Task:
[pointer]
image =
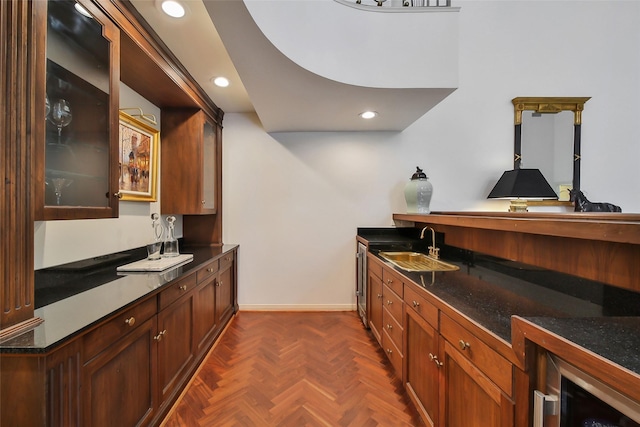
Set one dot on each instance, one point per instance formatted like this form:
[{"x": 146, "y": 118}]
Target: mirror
[{"x": 548, "y": 137}]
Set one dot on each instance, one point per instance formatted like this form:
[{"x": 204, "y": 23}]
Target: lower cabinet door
[
  {"x": 175, "y": 345},
  {"x": 119, "y": 385},
  {"x": 224, "y": 296},
  {"x": 423, "y": 366},
  {"x": 470, "y": 398},
  {"x": 204, "y": 322}
]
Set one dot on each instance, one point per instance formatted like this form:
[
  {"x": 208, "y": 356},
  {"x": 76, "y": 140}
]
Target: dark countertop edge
[
  {"x": 589, "y": 359},
  {"x": 510, "y": 343},
  {"x": 198, "y": 261}
]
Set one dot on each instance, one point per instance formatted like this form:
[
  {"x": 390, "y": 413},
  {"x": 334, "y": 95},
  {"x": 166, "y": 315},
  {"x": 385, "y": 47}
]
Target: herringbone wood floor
[{"x": 295, "y": 369}]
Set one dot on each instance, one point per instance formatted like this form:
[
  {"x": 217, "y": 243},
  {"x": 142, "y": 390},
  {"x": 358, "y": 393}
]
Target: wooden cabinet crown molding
[{"x": 150, "y": 68}]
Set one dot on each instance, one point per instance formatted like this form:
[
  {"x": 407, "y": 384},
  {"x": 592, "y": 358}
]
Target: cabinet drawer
[
  {"x": 392, "y": 352},
  {"x": 118, "y": 326},
  {"x": 226, "y": 261},
  {"x": 420, "y": 305},
  {"x": 176, "y": 290},
  {"x": 207, "y": 271},
  {"x": 392, "y": 280},
  {"x": 392, "y": 302},
  {"x": 492, "y": 364},
  {"x": 393, "y": 328},
  {"x": 374, "y": 265}
]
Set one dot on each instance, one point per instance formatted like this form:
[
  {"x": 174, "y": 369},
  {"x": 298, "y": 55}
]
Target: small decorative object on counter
[
  {"x": 171, "y": 243},
  {"x": 418, "y": 193}
]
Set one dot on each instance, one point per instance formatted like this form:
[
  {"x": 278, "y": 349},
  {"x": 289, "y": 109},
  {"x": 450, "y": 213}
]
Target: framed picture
[{"x": 137, "y": 160}]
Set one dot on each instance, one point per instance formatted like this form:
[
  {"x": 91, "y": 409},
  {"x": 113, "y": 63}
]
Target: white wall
[{"x": 293, "y": 201}]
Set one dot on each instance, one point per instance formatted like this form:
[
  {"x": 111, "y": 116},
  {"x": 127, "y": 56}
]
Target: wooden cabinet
[
  {"x": 422, "y": 364},
  {"x": 224, "y": 289},
  {"x": 204, "y": 315},
  {"x": 483, "y": 405},
  {"x": 175, "y": 337},
  {"x": 374, "y": 297},
  {"x": 385, "y": 310},
  {"x": 393, "y": 327},
  {"x": 76, "y": 159},
  {"x": 130, "y": 367},
  {"x": 119, "y": 384},
  {"x": 452, "y": 376},
  {"x": 190, "y": 163}
]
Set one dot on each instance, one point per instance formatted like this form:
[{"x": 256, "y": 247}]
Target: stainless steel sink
[{"x": 416, "y": 261}]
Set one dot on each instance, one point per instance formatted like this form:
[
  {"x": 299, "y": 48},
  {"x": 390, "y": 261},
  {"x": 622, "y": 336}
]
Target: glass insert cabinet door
[{"x": 77, "y": 163}]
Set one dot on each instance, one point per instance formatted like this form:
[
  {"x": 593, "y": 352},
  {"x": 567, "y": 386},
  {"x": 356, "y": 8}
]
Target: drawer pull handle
[
  {"x": 463, "y": 345},
  {"x": 130, "y": 321},
  {"x": 435, "y": 360},
  {"x": 182, "y": 287},
  {"x": 160, "y": 335},
  {"x": 389, "y": 281},
  {"x": 389, "y": 302},
  {"x": 379, "y": 296},
  {"x": 210, "y": 270},
  {"x": 389, "y": 327},
  {"x": 416, "y": 304}
]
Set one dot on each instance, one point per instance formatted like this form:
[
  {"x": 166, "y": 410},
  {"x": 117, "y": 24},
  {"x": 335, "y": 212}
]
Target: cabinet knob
[
  {"x": 160, "y": 335},
  {"x": 435, "y": 360},
  {"x": 210, "y": 270},
  {"x": 117, "y": 195},
  {"x": 389, "y": 327},
  {"x": 203, "y": 202},
  {"x": 416, "y": 304},
  {"x": 389, "y": 281},
  {"x": 379, "y": 296},
  {"x": 389, "y": 351},
  {"x": 182, "y": 287},
  {"x": 389, "y": 302},
  {"x": 219, "y": 283},
  {"x": 130, "y": 321},
  {"x": 463, "y": 345}
]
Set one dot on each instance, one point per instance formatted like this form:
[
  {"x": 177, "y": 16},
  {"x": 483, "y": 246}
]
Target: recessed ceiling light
[
  {"x": 221, "y": 81},
  {"x": 82, "y": 10},
  {"x": 368, "y": 114},
  {"x": 173, "y": 8}
]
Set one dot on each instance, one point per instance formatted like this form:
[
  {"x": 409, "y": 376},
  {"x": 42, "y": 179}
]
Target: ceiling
[{"x": 285, "y": 96}]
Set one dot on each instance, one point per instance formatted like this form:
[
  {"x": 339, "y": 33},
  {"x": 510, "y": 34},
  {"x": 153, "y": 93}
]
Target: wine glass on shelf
[
  {"x": 58, "y": 185},
  {"x": 47, "y": 107},
  {"x": 60, "y": 115}
]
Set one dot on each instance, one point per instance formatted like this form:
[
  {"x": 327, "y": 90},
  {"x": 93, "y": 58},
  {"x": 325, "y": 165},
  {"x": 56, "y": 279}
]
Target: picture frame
[{"x": 137, "y": 160}]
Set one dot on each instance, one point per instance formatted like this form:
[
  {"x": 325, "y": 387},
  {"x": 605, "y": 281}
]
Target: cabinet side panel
[
  {"x": 27, "y": 402},
  {"x": 21, "y": 24}
]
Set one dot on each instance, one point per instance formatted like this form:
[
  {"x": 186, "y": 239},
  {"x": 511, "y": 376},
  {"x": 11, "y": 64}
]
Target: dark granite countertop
[
  {"x": 615, "y": 338},
  {"x": 490, "y": 290},
  {"x": 107, "y": 291}
]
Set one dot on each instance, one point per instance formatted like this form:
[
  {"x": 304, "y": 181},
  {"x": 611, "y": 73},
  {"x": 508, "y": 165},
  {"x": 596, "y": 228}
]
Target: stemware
[
  {"x": 60, "y": 115},
  {"x": 58, "y": 185}
]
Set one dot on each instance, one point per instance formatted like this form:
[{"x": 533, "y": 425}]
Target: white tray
[{"x": 156, "y": 265}]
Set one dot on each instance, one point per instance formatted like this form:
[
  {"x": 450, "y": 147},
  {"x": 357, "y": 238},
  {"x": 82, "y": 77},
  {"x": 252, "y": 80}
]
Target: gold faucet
[{"x": 434, "y": 251}]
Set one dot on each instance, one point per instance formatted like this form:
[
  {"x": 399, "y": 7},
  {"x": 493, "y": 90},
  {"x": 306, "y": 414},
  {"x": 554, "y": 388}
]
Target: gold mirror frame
[{"x": 550, "y": 105}]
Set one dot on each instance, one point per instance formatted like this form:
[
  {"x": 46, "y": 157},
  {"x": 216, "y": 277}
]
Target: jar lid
[{"x": 419, "y": 174}]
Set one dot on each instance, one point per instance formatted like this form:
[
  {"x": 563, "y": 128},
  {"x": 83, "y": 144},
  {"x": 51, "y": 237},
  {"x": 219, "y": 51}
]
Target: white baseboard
[{"x": 297, "y": 307}]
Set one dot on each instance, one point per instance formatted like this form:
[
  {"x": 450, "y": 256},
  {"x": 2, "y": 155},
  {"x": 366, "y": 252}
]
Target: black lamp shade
[{"x": 523, "y": 184}]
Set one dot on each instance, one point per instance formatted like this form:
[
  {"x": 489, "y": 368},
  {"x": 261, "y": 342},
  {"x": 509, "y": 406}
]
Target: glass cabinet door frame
[{"x": 51, "y": 212}]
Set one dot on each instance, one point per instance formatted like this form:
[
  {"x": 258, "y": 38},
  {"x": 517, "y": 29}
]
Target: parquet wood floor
[{"x": 295, "y": 369}]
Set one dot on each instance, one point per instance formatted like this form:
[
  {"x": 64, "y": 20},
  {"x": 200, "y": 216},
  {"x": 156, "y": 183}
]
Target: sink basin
[{"x": 415, "y": 261}]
